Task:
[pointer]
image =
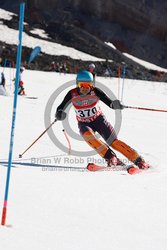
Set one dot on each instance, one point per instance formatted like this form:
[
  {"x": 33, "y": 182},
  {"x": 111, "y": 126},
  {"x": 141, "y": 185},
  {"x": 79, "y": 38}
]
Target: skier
[
  {"x": 2, "y": 80},
  {"x": 21, "y": 83},
  {"x": 91, "y": 69},
  {"x": 85, "y": 98},
  {"x": 2, "y": 85}
]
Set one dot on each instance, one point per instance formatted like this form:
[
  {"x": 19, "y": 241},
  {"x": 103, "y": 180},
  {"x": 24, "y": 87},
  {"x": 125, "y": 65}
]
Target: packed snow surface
[{"x": 54, "y": 208}]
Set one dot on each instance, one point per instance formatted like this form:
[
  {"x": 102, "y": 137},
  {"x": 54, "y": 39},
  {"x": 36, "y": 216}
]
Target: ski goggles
[{"x": 85, "y": 85}]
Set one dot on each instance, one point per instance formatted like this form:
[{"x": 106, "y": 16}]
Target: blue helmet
[{"x": 84, "y": 76}]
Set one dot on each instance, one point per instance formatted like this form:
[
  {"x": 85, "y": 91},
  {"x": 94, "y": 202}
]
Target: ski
[
  {"x": 28, "y": 97},
  {"x": 45, "y": 167},
  {"x": 31, "y": 97},
  {"x": 130, "y": 169},
  {"x": 92, "y": 167}
]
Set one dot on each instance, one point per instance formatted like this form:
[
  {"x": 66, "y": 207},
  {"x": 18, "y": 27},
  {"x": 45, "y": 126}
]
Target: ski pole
[
  {"x": 69, "y": 144},
  {"x": 20, "y": 155},
  {"x": 119, "y": 77},
  {"x": 149, "y": 109},
  {"x": 123, "y": 82}
]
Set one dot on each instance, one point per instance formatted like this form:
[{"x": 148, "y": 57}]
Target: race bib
[{"x": 88, "y": 114}]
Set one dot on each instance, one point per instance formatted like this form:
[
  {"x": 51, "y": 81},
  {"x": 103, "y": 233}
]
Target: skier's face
[
  {"x": 84, "y": 87},
  {"x": 84, "y": 91}
]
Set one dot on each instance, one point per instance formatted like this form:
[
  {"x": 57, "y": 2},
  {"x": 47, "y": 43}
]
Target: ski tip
[
  {"x": 133, "y": 170},
  {"x": 92, "y": 167}
]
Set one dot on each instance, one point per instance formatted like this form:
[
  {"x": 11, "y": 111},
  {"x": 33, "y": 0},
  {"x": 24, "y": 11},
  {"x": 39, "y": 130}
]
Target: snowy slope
[
  {"x": 78, "y": 210},
  {"x": 10, "y": 36}
]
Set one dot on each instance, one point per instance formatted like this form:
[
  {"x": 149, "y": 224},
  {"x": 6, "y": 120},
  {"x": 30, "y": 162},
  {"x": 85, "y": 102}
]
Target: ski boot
[
  {"x": 114, "y": 161},
  {"x": 140, "y": 162}
]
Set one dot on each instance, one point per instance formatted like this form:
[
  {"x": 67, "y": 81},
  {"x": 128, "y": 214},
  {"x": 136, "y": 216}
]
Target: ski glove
[
  {"x": 60, "y": 115},
  {"x": 116, "y": 105}
]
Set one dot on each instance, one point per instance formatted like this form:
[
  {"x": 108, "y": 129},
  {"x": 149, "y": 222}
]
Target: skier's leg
[
  {"x": 89, "y": 136},
  {"x": 106, "y": 130},
  {"x": 22, "y": 92},
  {"x": 101, "y": 148},
  {"x": 129, "y": 153},
  {"x": 19, "y": 91},
  {"x": 124, "y": 149}
]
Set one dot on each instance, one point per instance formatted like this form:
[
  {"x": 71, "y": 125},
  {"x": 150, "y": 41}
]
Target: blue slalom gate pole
[
  {"x": 19, "y": 51},
  {"x": 123, "y": 79}
]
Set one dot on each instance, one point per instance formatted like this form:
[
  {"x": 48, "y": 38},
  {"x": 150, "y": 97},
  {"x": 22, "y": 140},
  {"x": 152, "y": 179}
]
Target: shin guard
[
  {"x": 95, "y": 143},
  {"x": 124, "y": 149}
]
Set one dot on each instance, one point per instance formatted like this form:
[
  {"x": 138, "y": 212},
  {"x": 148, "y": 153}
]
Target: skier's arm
[
  {"x": 60, "y": 114},
  {"x": 115, "y": 104}
]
